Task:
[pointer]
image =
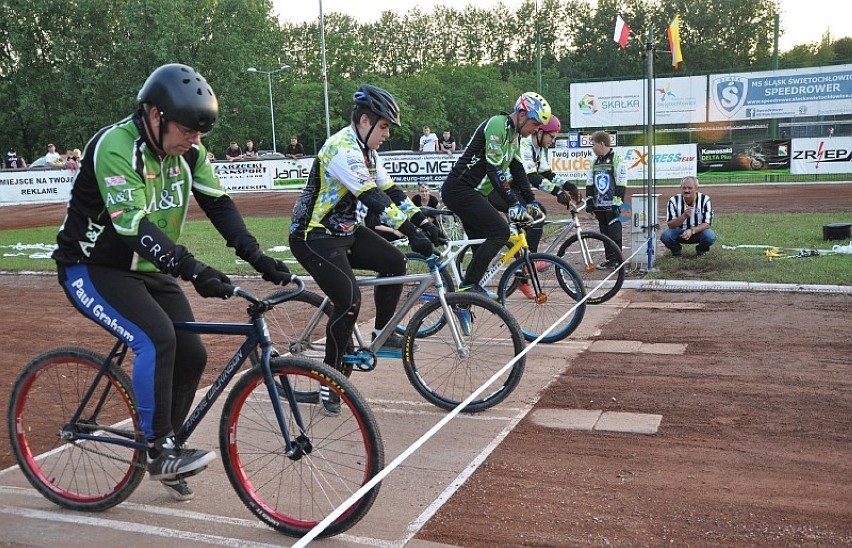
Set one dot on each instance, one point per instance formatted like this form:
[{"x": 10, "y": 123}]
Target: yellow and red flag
[{"x": 673, "y": 33}]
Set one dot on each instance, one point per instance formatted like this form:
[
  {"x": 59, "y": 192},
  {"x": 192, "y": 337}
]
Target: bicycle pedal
[
  {"x": 389, "y": 353},
  {"x": 191, "y": 473}
]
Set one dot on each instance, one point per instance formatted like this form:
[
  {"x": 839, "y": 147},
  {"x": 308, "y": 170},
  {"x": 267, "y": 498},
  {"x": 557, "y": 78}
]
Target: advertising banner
[
  {"x": 795, "y": 93},
  {"x": 681, "y": 100},
  {"x": 35, "y": 186},
  {"x": 670, "y": 162},
  {"x": 750, "y": 156},
  {"x": 825, "y": 155}
]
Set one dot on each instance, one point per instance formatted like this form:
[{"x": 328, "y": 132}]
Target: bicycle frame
[
  {"x": 424, "y": 282},
  {"x": 256, "y": 336}
]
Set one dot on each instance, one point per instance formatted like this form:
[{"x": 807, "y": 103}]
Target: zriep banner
[
  {"x": 795, "y": 93},
  {"x": 822, "y": 155}
]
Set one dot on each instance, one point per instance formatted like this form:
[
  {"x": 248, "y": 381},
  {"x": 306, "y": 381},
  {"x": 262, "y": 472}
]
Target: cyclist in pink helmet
[{"x": 492, "y": 161}]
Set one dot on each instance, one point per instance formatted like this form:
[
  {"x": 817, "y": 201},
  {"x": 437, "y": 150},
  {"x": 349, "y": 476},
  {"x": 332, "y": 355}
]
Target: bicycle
[
  {"x": 75, "y": 431},
  {"x": 585, "y": 251},
  {"x": 453, "y": 343},
  {"x": 537, "y": 288}
]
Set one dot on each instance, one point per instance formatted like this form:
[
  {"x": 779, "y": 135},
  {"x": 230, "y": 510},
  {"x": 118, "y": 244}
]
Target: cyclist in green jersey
[
  {"x": 117, "y": 258},
  {"x": 492, "y": 153}
]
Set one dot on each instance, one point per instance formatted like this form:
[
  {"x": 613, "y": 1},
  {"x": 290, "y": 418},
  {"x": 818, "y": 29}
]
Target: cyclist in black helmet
[
  {"x": 118, "y": 260},
  {"x": 327, "y": 235}
]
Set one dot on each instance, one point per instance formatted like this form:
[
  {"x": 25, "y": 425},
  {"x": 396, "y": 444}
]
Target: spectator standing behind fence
[
  {"x": 52, "y": 157},
  {"x": 13, "y": 161},
  {"x": 428, "y": 141},
  {"x": 294, "y": 149},
  {"x": 689, "y": 216},
  {"x": 606, "y": 186},
  {"x": 447, "y": 143},
  {"x": 233, "y": 152},
  {"x": 250, "y": 152}
]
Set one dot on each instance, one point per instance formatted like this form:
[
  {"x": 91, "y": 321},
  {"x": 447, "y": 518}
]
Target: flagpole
[{"x": 649, "y": 144}]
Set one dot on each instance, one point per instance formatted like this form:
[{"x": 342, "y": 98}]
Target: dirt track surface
[
  {"x": 753, "y": 448},
  {"x": 809, "y": 197}
]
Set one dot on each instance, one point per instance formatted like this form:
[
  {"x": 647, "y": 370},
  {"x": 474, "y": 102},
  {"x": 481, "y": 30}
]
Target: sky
[{"x": 803, "y": 21}]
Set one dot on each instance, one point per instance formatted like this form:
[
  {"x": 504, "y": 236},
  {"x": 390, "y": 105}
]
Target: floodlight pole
[{"x": 269, "y": 74}]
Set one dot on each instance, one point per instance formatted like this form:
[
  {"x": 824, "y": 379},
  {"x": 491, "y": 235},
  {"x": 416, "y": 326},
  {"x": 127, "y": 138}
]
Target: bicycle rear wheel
[
  {"x": 446, "y": 375},
  {"x": 331, "y": 459},
  {"x": 601, "y": 248},
  {"x": 85, "y": 475},
  {"x": 537, "y": 308}
]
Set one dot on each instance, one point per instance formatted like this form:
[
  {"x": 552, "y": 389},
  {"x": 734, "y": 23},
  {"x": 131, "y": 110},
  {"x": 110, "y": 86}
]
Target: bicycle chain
[{"x": 137, "y": 464}]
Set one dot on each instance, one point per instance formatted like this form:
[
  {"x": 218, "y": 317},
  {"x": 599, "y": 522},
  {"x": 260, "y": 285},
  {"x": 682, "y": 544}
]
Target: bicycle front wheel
[
  {"x": 539, "y": 301},
  {"x": 84, "y": 475},
  {"x": 416, "y": 264},
  {"x": 293, "y": 480},
  {"x": 446, "y": 374},
  {"x": 297, "y": 327},
  {"x": 599, "y": 250}
]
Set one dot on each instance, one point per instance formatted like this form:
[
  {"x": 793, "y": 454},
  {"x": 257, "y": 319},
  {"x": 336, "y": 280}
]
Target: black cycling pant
[
  {"x": 534, "y": 232},
  {"x": 609, "y": 227},
  {"x": 139, "y": 308},
  {"x": 480, "y": 220},
  {"x": 330, "y": 261}
]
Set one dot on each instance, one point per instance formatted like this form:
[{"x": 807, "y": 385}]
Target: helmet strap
[{"x": 157, "y": 139}]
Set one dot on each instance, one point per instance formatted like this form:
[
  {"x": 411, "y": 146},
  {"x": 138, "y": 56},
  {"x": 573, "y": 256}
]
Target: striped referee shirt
[{"x": 703, "y": 212}]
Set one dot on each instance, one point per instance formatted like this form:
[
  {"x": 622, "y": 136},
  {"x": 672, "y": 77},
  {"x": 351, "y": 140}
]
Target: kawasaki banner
[{"x": 750, "y": 156}]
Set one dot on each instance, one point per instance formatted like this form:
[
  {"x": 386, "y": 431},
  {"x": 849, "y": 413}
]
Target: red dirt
[{"x": 754, "y": 446}]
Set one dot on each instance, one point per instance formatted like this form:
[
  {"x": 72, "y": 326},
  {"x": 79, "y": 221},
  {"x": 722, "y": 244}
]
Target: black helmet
[
  {"x": 379, "y": 101},
  {"x": 181, "y": 95}
]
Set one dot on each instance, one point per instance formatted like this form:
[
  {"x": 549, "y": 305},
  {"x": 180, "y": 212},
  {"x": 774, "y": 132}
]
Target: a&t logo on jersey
[{"x": 729, "y": 94}]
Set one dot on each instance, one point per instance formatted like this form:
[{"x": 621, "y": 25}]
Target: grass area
[
  {"x": 789, "y": 232},
  {"x": 29, "y": 250}
]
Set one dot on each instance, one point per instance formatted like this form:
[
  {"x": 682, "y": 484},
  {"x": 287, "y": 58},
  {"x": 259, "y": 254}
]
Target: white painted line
[{"x": 128, "y": 527}]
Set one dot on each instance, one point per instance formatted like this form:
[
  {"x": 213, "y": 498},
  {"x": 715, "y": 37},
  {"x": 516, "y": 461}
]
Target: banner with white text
[
  {"x": 794, "y": 93},
  {"x": 407, "y": 169}
]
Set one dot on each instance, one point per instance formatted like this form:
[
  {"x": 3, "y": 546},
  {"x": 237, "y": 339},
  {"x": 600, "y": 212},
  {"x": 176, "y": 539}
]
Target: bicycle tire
[
  {"x": 342, "y": 453},
  {"x": 492, "y": 338},
  {"x": 601, "y": 247},
  {"x": 561, "y": 289},
  {"x": 416, "y": 264},
  {"x": 82, "y": 475},
  {"x": 288, "y": 326}
]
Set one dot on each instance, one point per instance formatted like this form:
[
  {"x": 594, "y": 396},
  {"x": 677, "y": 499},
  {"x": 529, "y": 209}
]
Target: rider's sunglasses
[{"x": 188, "y": 133}]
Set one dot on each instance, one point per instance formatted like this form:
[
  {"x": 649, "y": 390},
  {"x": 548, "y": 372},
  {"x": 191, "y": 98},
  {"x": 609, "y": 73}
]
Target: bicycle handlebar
[
  {"x": 434, "y": 212},
  {"x": 272, "y": 299}
]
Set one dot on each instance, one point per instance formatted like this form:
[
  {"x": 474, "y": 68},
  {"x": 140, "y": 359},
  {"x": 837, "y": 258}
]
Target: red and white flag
[{"x": 622, "y": 32}]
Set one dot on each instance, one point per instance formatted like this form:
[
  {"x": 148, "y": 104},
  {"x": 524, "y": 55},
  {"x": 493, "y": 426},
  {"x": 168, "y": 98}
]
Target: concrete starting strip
[{"x": 589, "y": 420}]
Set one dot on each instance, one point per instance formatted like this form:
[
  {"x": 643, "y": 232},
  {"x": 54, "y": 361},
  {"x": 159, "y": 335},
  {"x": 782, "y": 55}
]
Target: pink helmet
[{"x": 552, "y": 125}]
